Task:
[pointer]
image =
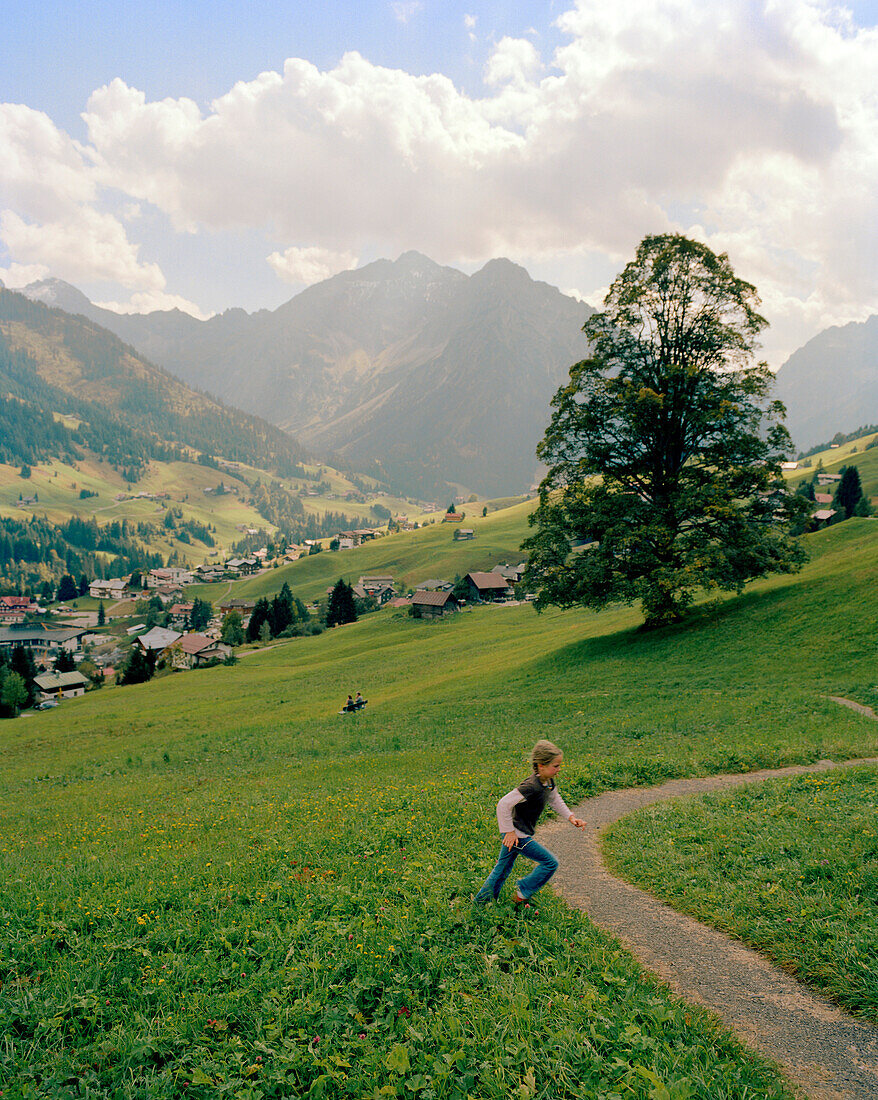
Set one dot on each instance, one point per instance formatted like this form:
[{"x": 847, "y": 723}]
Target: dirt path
[{"x": 826, "y": 1054}]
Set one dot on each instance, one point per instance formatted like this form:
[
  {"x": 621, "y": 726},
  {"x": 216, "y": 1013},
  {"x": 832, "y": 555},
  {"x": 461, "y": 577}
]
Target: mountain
[
  {"x": 415, "y": 371},
  {"x": 54, "y": 364},
  {"x": 830, "y": 384}
]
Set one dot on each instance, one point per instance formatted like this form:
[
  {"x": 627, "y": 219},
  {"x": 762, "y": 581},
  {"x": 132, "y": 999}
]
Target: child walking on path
[{"x": 517, "y": 816}]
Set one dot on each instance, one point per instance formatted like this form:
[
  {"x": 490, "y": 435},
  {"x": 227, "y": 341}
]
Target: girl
[{"x": 517, "y": 816}]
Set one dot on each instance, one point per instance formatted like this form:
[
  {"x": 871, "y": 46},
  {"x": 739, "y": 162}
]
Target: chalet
[
  {"x": 242, "y": 606},
  {"x": 487, "y": 587},
  {"x": 172, "y": 575},
  {"x": 157, "y": 640},
  {"x": 822, "y": 518},
  {"x": 434, "y": 585},
  {"x": 461, "y": 534},
  {"x": 61, "y": 685},
  {"x": 41, "y": 638},
  {"x": 512, "y": 573},
  {"x": 828, "y": 479},
  {"x": 242, "y": 566},
  {"x": 366, "y": 534},
  {"x": 381, "y": 588},
  {"x": 453, "y": 517},
  {"x": 208, "y": 572},
  {"x": 169, "y": 593},
  {"x": 789, "y": 465},
  {"x": 433, "y": 605},
  {"x": 179, "y": 613},
  {"x": 114, "y": 589},
  {"x": 193, "y": 650},
  {"x": 14, "y": 608}
]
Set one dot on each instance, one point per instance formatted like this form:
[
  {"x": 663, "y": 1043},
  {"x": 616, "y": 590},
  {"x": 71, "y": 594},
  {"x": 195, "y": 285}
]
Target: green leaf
[{"x": 398, "y": 1059}]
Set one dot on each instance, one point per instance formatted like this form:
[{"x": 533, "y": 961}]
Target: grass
[
  {"x": 790, "y": 867},
  {"x": 215, "y": 884},
  {"x": 409, "y": 556}
]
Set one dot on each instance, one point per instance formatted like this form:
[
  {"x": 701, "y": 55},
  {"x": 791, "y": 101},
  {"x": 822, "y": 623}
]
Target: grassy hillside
[
  {"x": 408, "y": 556},
  {"x": 855, "y": 453},
  {"x": 215, "y": 882}
]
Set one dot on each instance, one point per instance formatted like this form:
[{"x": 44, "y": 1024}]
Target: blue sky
[{"x": 556, "y": 133}]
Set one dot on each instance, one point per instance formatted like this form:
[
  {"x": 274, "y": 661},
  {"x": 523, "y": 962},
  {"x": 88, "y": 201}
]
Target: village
[{"x": 73, "y": 648}]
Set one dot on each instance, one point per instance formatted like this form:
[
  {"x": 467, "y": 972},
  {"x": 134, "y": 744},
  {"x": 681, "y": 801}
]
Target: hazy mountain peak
[
  {"x": 58, "y": 294},
  {"x": 503, "y": 272}
]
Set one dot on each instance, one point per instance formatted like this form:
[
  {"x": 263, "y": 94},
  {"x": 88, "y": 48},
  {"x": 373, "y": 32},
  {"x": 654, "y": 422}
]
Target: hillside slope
[
  {"x": 830, "y": 384},
  {"x": 409, "y": 369}
]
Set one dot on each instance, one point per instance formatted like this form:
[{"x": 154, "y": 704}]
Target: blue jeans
[{"x": 546, "y": 866}]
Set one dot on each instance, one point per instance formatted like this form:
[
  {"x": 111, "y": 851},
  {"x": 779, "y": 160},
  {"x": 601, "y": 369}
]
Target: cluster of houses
[{"x": 433, "y": 598}]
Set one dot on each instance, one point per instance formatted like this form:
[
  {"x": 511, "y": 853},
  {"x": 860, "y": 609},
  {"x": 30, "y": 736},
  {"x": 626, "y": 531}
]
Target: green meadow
[
  {"x": 408, "y": 556},
  {"x": 790, "y": 867},
  {"x": 216, "y": 885}
]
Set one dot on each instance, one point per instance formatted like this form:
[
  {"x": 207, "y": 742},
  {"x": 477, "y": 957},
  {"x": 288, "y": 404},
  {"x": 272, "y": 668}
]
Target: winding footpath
[{"x": 825, "y": 1053}]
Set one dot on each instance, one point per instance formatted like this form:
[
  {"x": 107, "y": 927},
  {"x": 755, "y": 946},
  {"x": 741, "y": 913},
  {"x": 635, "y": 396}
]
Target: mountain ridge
[{"x": 414, "y": 371}]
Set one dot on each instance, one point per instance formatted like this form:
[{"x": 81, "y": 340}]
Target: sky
[{"x": 205, "y": 156}]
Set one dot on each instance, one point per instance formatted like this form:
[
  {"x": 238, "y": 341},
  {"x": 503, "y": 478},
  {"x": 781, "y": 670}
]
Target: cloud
[
  {"x": 147, "y": 302},
  {"x": 753, "y": 125},
  {"x": 49, "y": 216},
  {"x": 403, "y": 10},
  {"x": 86, "y": 246},
  {"x": 16, "y": 276},
  {"x": 310, "y": 265}
]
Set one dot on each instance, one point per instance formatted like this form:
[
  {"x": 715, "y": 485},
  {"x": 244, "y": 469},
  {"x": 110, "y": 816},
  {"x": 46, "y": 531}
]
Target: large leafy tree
[{"x": 664, "y": 447}]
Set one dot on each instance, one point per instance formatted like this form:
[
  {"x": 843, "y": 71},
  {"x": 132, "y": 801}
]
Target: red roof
[
  {"x": 16, "y": 601},
  {"x": 194, "y": 643}
]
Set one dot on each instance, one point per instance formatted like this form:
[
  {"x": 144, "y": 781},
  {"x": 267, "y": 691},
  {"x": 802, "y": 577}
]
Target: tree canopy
[{"x": 664, "y": 448}]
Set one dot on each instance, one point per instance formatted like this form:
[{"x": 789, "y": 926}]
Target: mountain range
[
  {"x": 431, "y": 379},
  {"x": 830, "y": 384},
  {"x": 415, "y": 372}
]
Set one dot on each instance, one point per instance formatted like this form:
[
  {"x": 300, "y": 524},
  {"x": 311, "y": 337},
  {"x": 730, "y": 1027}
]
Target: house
[
  {"x": 789, "y": 465},
  {"x": 206, "y": 573},
  {"x": 366, "y": 534},
  {"x": 169, "y": 593},
  {"x": 827, "y": 479},
  {"x": 242, "y": 566},
  {"x": 432, "y": 605},
  {"x": 380, "y": 588},
  {"x": 193, "y": 650},
  {"x": 14, "y": 608},
  {"x": 453, "y": 517},
  {"x": 157, "y": 639},
  {"x": 487, "y": 587},
  {"x": 41, "y": 638},
  {"x": 462, "y": 533},
  {"x": 512, "y": 573},
  {"x": 179, "y": 613},
  {"x": 434, "y": 585},
  {"x": 822, "y": 518},
  {"x": 61, "y": 685},
  {"x": 172, "y": 575},
  {"x": 243, "y": 607},
  {"x": 113, "y": 589}
]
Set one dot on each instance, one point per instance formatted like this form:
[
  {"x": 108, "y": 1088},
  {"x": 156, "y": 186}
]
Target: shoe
[{"x": 517, "y": 899}]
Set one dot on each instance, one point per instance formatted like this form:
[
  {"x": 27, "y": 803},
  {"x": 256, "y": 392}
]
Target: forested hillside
[{"x": 53, "y": 364}]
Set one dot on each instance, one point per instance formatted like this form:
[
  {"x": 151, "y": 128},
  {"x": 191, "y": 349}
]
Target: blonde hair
[{"x": 543, "y": 752}]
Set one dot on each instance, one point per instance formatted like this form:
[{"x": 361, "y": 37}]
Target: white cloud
[
  {"x": 16, "y": 276},
  {"x": 148, "y": 301},
  {"x": 403, "y": 10},
  {"x": 755, "y": 126},
  {"x": 310, "y": 265},
  {"x": 86, "y": 246}
]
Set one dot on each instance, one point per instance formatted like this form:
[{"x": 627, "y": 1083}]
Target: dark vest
[{"x": 526, "y": 814}]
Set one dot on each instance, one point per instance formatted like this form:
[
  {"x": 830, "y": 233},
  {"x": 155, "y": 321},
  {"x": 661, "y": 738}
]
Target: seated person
[
  {"x": 360, "y": 701},
  {"x": 349, "y": 704}
]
